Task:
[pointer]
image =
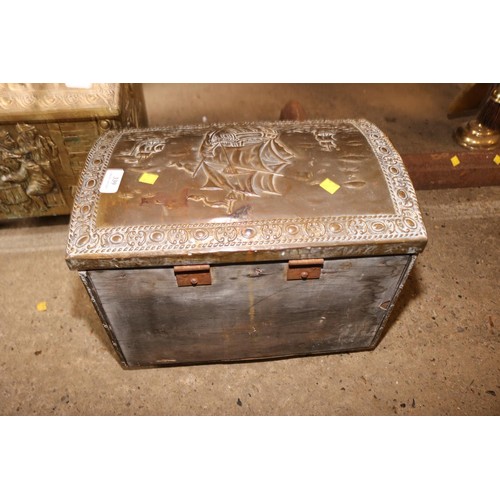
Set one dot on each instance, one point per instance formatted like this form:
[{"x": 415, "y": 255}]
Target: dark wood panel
[{"x": 249, "y": 311}]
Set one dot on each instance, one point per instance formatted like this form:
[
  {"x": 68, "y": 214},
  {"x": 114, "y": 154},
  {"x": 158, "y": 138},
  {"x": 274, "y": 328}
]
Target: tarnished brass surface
[
  {"x": 474, "y": 135},
  {"x": 55, "y": 101},
  {"x": 483, "y": 132},
  {"x": 243, "y": 192},
  {"x": 41, "y": 158}
]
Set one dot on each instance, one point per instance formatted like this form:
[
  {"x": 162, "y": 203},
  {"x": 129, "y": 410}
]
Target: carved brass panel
[
  {"x": 52, "y": 101},
  {"x": 28, "y": 162},
  {"x": 41, "y": 159}
]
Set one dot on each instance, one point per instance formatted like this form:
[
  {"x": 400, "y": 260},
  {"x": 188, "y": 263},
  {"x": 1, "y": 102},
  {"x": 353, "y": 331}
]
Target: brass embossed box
[
  {"x": 46, "y": 132},
  {"x": 244, "y": 241}
]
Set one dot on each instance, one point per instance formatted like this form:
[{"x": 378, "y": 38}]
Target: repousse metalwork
[
  {"x": 27, "y": 178},
  {"x": 21, "y": 101},
  {"x": 46, "y": 131},
  {"x": 237, "y": 178}
]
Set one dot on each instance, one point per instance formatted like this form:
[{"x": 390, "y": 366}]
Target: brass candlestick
[{"x": 483, "y": 132}]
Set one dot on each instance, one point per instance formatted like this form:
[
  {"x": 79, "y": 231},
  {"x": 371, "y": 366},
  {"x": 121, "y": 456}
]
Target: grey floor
[{"x": 440, "y": 354}]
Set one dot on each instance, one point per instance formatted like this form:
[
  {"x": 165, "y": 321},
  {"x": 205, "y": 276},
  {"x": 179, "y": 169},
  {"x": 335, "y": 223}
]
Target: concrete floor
[{"x": 440, "y": 354}]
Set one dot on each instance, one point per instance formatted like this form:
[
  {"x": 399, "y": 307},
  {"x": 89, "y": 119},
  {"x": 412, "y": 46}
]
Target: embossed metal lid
[
  {"x": 242, "y": 193},
  {"x": 58, "y": 101}
]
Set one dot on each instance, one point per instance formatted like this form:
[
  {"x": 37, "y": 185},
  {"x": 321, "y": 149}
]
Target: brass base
[{"x": 473, "y": 135}]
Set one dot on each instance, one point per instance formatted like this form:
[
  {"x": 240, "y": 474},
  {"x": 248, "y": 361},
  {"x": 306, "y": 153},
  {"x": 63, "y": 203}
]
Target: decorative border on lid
[{"x": 405, "y": 224}]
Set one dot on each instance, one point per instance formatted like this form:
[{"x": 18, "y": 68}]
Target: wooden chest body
[
  {"x": 248, "y": 241},
  {"x": 46, "y": 131}
]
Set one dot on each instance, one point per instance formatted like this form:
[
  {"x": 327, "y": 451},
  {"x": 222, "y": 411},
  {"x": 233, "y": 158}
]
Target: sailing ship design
[
  {"x": 144, "y": 149},
  {"x": 241, "y": 161},
  {"x": 229, "y": 164}
]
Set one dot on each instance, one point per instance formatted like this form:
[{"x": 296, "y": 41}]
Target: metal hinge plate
[
  {"x": 193, "y": 275},
  {"x": 304, "y": 269}
]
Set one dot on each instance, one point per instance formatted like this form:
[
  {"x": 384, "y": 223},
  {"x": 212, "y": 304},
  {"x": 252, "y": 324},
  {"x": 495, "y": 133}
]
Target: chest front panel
[{"x": 248, "y": 312}]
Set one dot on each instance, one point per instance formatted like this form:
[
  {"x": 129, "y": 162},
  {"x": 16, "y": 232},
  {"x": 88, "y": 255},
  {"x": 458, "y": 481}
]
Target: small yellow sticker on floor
[
  {"x": 148, "y": 178},
  {"x": 455, "y": 161},
  {"x": 330, "y": 186},
  {"x": 497, "y": 159},
  {"x": 41, "y": 306}
]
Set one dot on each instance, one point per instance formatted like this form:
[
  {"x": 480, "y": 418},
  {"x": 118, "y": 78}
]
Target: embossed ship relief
[
  {"x": 241, "y": 162},
  {"x": 143, "y": 150},
  {"x": 246, "y": 186},
  {"x": 230, "y": 165}
]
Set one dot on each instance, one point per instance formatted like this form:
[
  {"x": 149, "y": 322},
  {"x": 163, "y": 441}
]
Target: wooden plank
[
  {"x": 436, "y": 171},
  {"x": 249, "y": 311}
]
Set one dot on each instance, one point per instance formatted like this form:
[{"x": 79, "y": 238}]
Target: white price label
[{"x": 111, "y": 181}]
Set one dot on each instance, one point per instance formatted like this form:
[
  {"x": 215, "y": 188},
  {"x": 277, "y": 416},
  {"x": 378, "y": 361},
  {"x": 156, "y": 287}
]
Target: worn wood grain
[
  {"x": 435, "y": 170},
  {"x": 249, "y": 312}
]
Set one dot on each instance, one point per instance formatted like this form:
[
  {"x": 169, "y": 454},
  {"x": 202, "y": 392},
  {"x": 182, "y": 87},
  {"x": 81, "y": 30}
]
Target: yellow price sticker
[
  {"x": 41, "y": 306},
  {"x": 497, "y": 159},
  {"x": 455, "y": 161},
  {"x": 330, "y": 186},
  {"x": 148, "y": 178}
]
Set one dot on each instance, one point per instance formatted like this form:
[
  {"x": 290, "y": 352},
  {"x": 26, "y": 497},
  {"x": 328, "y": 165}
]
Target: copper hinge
[
  {"x": 304, "y": 269},
  {"x": 193, "y": 275}
]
